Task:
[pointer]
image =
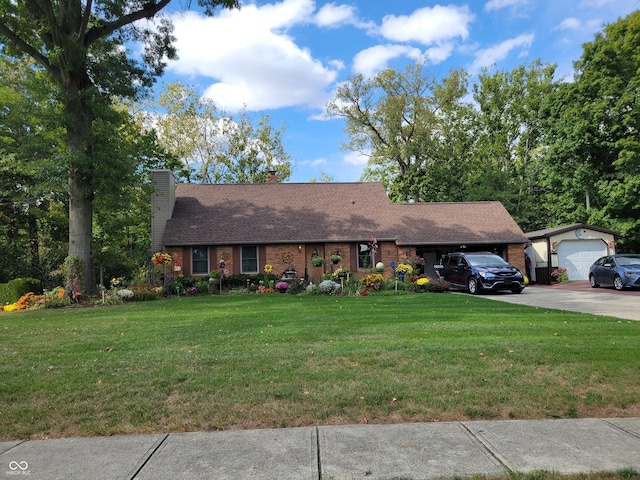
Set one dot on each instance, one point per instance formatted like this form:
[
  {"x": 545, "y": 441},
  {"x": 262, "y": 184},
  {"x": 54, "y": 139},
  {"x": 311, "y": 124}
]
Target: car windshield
[
  {"x": 629, "y": 260},
  {"x": 486, "y": 261}
]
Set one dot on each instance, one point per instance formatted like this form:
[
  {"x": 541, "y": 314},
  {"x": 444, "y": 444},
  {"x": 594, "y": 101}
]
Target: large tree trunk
[
  {"x": 80, "y": 230},
  {"x": 79, "y": 119}
]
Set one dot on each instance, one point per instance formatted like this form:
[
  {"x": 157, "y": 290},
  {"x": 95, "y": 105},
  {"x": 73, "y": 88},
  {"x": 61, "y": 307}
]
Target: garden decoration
[{"x": 161, "y": 258}]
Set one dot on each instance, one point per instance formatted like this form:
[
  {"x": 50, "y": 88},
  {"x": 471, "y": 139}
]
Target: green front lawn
[{"x": 252, "y": 361}]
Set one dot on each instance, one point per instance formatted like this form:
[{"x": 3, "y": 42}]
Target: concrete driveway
[{"x": 577, "y": 296}]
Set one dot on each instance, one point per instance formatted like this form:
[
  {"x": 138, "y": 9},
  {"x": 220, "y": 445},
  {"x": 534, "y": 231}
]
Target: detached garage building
[{"x": 574, "y": 247}]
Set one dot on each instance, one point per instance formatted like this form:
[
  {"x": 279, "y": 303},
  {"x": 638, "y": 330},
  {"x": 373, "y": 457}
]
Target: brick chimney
[
  {"x": 163, "y": 200},
  {"x": 273, "y": 177}
]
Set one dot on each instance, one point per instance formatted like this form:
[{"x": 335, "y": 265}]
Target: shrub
[
  {"x": 296, "y": 286},
  {"x": 282, "y": 287},
  {"x": 438, "y": 285},
  {"x": 422, "y": 284},
  {"x": 560, "y": 275},
  {"x": 12, "y": 291},
  {"x": 353, "y": 285},
  {"x": 144, "y": 291},
  {"x": 240, "y": 281},
  {"x": 125, "y": 294},
  {"x": 329, "y": 287},
  {"x": 374, "y": 281},
  {"x": 55, "y": 302},
  {"x": 202, "y": 286}
]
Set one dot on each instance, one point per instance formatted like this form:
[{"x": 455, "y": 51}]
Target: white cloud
[
  {"x": 596, "y": 3},
  {"x": 374, "y": 59},
  {"x": 249, "y": 58},
  {"x": 498, "y": 4},
  {"x": 493, "y": 55},
  {"x": 571, "y": 23},
  {"x": 318, "y": 161},
  {"x": 428, "y": 25},
  {"x": 332, "y": 15},
  {"x": 356, "y": 158},
  {"x": 439, "y": 53}
]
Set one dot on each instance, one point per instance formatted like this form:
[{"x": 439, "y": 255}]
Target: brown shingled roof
[{"x": 327, "y": 212}]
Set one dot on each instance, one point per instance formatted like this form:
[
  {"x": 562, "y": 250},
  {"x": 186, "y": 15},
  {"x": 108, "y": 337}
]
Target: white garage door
[{"x": 578, "y": 255}]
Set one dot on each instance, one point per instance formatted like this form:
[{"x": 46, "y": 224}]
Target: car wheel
[
  {"x": 592, "y": 281},
  {"x": 472, "y": 286},
  {"x": 516, "y": 290},
  {"x": 617, "y": 283}
]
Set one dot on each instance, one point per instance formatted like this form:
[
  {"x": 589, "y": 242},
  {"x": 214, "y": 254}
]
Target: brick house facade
[{"x": 240, "y": 228}]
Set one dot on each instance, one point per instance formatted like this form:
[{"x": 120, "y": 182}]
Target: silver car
[{"x": 620, "y": 271}]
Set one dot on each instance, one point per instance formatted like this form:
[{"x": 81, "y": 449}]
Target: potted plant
[
  {"x": 335, "y": 258},
  {"x": 282, "y": 287},
  {"x": 317, "y": 261},
  {"x": 404, "y": 269}
]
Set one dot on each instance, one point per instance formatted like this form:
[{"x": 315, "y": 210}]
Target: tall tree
[
  {"x": 400, "y": 121},
  {"x": 509, "y": 132},
  {"x": 214, "y": 146},
  {"x": 82, "y": 45},
  {"x": 592, "y": 164}
]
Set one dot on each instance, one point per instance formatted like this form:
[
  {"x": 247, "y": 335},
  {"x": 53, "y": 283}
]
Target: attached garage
[
  {"x": 578, "y": 255},
  {"x": 574, "y": 247}
]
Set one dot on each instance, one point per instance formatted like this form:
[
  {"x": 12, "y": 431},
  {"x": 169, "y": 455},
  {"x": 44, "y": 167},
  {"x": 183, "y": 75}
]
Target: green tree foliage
[
  {"x": 32, "y": 208},
  {"x": 215, "y": 147},
  {"x": 403, "y": 121},
  {"x": 592, "y": 164},
  {"x": 126, "y": 152},
  {"x": 82, "y": 46},
  {"x": 509, "y": 134}
]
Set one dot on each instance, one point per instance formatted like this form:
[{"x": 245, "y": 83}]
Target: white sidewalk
[{"x": 409, "y": 451}]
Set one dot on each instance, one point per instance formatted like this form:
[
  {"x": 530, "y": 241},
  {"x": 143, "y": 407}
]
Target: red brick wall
[
  {"x": 387, "y": 252},
  {"x": 515, "y": 256}
]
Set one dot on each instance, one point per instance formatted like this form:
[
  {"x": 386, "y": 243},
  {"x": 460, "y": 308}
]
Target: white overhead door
[{"x": 578, "y": 255}]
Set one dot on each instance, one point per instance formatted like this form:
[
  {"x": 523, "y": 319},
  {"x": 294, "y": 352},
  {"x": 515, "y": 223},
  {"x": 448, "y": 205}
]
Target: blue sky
[{"x": 285, "y": 58}]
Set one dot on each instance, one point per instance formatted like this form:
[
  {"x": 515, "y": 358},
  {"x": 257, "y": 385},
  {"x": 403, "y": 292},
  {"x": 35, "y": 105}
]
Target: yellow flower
[
  {"x": 404, "y": 268},
  {"x": 11, "y": 307},
  {"x": 268, "y": 268},
  {"x": 422, "y": 281}
]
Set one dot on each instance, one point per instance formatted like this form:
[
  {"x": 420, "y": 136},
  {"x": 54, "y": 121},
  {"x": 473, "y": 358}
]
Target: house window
[
  {"x": 199, "y": 260},
  {"x": 249, "y": 259},
  {"x": 364, "y": 257}
]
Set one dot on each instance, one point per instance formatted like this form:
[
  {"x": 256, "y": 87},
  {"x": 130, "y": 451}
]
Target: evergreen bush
[{"x": 11, "y": 292}]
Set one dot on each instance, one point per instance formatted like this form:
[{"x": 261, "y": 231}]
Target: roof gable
[{"x": 547, "y": 232}]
